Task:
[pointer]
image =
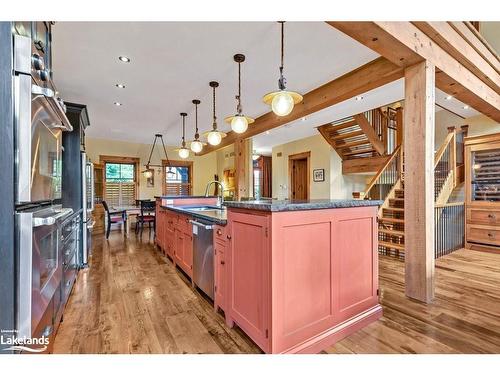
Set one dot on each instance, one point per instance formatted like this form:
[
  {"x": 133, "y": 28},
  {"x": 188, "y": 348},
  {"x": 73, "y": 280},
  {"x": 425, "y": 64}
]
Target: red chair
[
  {"x": 114, "y": 217},
  {"x": 147, "y": 216}
]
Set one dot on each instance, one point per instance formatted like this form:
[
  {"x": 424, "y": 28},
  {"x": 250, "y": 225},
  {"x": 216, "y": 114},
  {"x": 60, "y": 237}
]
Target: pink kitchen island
[{"x": 301, "y": 275}]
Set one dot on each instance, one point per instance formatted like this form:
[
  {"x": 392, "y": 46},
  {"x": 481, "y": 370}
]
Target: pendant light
[
  {"x": 148, "y": 172},
  {"x": 183, "y": 151},
  {"x": 282, "y": 101},
  {"x": 196, "y": 145},
  {"x": 214, "y": 136},
  {"x": 239, "y": 122}
]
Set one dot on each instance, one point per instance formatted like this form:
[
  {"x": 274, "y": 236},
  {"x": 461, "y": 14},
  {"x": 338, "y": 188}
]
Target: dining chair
[
  {"x": 147, "y": 216},
  {"x": 114, "y": 217}
]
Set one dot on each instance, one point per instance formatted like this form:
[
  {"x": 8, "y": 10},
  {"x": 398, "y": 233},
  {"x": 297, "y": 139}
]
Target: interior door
[{"x": 299, "y": 186}]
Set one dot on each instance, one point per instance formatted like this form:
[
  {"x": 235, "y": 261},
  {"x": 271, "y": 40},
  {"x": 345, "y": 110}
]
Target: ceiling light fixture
[
  {"x": 358, "y": 98},
  {"x": 282, "y": 101},
  {"x": 465, "y": 107},
  {"x": 124, "y": 59},
  {"x": 449, "y": 97},
  {"x": 148, "y": 172},
  {"x": 118, "y": 104},
  {"x": 183, "y": 150},
  {"x": 120, "y": 85},
  {"x": 196, "y": 145},
  {"x": 239, "y": 122},
  {"x": 255, "y": 156},
  {"x": 214, "y": 137}
]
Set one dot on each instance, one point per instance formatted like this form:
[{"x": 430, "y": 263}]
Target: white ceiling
[{"x": 172, "y": 63}]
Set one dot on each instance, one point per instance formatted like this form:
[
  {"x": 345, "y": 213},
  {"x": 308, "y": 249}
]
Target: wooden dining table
[{"x": 130, "y": 211}]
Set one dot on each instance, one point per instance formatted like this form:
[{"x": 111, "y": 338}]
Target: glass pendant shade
[
  {"x": 214, "y": 137},
  {"x": 148, "y": 173},
  {"x": 282, "y": 103},
  {"x": 196, "y": 146},
  {"x": 183, "y": 152},
  {"x": 239, "y": 124}
]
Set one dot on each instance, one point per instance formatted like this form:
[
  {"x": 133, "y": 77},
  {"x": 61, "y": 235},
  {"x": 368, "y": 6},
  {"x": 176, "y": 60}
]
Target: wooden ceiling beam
[
  {"x": 374, "y": 74},
  {"x": 405, "y": 45}
]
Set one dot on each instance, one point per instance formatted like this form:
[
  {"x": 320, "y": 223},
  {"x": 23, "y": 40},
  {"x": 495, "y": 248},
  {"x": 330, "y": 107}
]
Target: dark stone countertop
[
  {"x": 300, "y": 205},
  {"x": 183, "y": 196},
  {"x": 216, "y": 216}
]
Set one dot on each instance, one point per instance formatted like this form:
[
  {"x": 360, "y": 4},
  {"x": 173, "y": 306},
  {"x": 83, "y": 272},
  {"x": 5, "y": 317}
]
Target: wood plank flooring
[{"x": 132, "y": 300}]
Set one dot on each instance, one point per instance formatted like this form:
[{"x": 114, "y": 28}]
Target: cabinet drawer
[
  {"x": 220, "y": 233},
  {"x": 483, "y": 216},
  {"x": 483, "y": 234}
]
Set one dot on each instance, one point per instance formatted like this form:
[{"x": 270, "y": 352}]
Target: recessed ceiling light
[
  {"x": 465, "y": 107},
  {"x": 358, "y": 98},
  {"x": 303, "y": 118},
  {"x": 124, "y": 59},
  {"x": 267, "y": 132},
  {"x": 118, "y": 104},
  {"x": 449, "y": 97},
  {"x": 120, "y": 85}
]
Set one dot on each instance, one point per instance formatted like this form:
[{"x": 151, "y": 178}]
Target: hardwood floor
[{"x": 132, "y": 300}]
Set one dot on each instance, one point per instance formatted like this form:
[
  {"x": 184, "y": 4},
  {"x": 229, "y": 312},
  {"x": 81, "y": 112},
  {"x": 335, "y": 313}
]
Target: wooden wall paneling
[
  {"x": 419, "y": 181},
  {"x": 374, "y": 74}
]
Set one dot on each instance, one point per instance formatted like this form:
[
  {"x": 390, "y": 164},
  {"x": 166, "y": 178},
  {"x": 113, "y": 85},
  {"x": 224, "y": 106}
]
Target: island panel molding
[{"x": 298, "y": 281}]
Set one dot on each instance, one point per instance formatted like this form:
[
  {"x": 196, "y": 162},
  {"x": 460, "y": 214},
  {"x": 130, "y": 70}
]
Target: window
[
  {"x": 120, "y": 178},
  {"x": 177, "y": 179}
]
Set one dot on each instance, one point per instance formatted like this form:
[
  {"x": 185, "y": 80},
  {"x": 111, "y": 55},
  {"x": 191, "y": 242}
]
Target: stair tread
[
  {"x": 392, "y": 220},
  {"x": 348, "y": 135},
  {"x": 392, "y": 245},
  {"x": 352, "y": 144},
  {"x": 399, "y": 209},
  {"x": 392, "y": 232},
  {"x": 344, "y": 125},
  {"x": 359, "y": 152}
]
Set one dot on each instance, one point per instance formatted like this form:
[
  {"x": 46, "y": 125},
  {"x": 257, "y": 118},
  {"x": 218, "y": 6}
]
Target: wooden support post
[
  {"x": 419, "y": 180},
  {"x": 243, "y": 167}
]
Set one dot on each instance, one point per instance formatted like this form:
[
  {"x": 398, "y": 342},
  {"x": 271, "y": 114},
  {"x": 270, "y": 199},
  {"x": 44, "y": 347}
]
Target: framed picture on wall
[{"x": 318, "y": 175}]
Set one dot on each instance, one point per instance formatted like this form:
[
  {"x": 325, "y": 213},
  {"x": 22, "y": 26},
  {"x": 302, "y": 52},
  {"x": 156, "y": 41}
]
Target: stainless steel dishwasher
[{"x": 203, "y": 256}]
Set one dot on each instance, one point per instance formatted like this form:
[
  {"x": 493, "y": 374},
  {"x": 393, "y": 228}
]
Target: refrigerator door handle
[
  {"x": 92, "y": 187},
  {"x": 22, "y": 118}
]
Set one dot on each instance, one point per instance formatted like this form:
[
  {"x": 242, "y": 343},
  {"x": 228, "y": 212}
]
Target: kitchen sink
[{"x": 205, "y": 208}]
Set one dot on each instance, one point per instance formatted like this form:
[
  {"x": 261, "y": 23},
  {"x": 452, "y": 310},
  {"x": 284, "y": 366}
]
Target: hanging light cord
[
  {"x": 282, "y": 80},
  {"x": 183, "y": 131},
  {"x": 238, "y": 107},
  {"x": 196, "y": 135},
  {"x": 215, "y": 118}
]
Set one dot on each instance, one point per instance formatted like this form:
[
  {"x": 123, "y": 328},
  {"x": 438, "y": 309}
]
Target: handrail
[
  {"x": 439, "y": 154},
  {"x": 384, "y": 167},
  {"x": 450, "y": 204}
]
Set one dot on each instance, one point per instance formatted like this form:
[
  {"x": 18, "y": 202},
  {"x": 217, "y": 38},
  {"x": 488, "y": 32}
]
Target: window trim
[
  {"x": 103, "y": 159},
  {"x": 176, "y": 163}
]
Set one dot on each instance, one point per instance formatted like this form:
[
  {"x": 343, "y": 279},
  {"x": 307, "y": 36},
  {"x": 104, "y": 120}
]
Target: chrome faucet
[{"x": 220, "y": 198}]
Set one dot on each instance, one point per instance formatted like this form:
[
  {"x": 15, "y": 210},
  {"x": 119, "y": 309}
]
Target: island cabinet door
[
  {"x": 248, "y": 276},
  {"x": 355, "y": 244},
  {"x": 178, "y": 246},
  {"x": 220, "y": 274}
]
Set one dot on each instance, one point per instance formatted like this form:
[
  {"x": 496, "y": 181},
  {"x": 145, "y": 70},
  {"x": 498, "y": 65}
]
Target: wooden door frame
[{"x": 302, "y": 155}]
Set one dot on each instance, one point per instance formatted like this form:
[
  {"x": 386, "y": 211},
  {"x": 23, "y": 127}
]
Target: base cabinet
[
  {"x": 299, "y": 281},
  {"x": 220, "y": 251}
]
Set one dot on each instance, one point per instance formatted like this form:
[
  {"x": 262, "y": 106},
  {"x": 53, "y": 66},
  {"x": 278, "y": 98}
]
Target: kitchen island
[{"x": 301, "y": 275}]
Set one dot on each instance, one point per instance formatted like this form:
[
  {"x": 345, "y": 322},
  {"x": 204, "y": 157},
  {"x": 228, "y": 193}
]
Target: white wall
[{"x": 335, "y": 186}]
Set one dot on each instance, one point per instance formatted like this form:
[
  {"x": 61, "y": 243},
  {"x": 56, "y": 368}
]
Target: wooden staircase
[
  {"x": 388, "y": 185},
  {"x": 368, "y": 135}
]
